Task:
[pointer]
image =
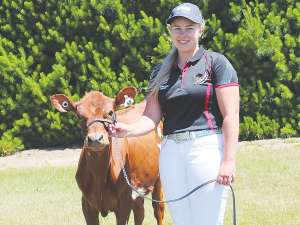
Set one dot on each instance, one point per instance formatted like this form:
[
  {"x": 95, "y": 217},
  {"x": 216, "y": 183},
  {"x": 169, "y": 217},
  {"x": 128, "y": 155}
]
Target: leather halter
[{"x": 111, "y": 121}]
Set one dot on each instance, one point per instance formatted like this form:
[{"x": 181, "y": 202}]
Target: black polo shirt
[{"x": 188, "y": 97}]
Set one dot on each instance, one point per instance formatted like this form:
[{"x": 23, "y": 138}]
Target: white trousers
[{"x": 184, "y": 167}]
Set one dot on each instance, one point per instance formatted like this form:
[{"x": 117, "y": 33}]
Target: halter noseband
[{"x": 111, "y": 121}]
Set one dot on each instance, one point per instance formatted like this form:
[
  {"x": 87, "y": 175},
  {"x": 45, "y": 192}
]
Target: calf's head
[{"x": 94, "y": 105}]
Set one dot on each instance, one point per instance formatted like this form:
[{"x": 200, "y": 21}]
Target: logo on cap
[{"x": 184, "y": 8}]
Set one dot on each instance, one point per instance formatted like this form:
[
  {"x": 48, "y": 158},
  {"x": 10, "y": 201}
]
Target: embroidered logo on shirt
[
  {"x": 164, "y": 85},
  {"x": 200, "y": 79}
]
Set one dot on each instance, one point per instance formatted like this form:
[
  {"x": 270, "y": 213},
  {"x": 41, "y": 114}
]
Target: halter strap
[{"x": 111, "y": 121}]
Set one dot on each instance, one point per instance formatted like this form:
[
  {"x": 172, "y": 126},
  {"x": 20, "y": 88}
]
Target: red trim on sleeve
[{"x": 227, "y": 85}]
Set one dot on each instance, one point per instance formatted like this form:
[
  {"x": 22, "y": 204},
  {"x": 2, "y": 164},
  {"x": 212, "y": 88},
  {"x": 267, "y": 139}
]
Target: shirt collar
[
  {"x": 198, "y": 54},
  {"x": 195, "y": 58}
]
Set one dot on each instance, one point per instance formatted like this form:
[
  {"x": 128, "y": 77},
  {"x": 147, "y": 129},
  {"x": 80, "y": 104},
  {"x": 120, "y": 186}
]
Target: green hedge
[{"x": 73, "y": 47}]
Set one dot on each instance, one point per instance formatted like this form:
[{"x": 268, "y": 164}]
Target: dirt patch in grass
[
  {"x": 70, "y": 156},
  {"x": 41, "y": 158}
]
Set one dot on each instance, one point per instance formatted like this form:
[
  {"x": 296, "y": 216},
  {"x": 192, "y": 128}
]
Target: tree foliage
[{"x": 73, "y": 47}]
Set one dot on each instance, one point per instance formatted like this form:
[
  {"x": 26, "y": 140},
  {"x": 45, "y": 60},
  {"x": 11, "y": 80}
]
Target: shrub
[{"x": 73, "y": 47}]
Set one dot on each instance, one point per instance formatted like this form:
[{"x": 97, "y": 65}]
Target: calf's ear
[
  {"x": 62, "y": 103},
  {"x": 125, "y": 97}
]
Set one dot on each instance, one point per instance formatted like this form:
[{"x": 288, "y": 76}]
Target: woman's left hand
[{"x": 227, "y": 173}]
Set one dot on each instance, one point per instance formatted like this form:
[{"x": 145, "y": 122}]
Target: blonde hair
[{"x": 163, "y": 70}]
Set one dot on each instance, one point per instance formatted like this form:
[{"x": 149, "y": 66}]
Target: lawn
[{"x": 267, "y": 190}]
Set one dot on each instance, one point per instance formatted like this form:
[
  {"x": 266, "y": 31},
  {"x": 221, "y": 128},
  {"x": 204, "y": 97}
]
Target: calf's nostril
[
  {"x": 100, "y": 138},
  {"x": 90, "y": 140}
]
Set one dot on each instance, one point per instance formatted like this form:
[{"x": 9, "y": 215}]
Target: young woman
[{"x": 197, "y": 92}]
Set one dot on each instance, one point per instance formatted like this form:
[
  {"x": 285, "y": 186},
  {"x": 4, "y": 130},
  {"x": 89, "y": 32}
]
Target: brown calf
[{"x": 99, "y": 174}]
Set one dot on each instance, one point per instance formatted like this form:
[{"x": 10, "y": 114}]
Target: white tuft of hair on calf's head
[{"x": 135, "y": 195}]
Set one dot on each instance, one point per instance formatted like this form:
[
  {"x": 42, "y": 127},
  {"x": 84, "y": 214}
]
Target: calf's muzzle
[{"x": 95, "y": 140}]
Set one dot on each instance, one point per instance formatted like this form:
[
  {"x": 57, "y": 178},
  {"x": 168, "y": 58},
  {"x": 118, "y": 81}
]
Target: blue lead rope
[{"x": 174, "y": 200}]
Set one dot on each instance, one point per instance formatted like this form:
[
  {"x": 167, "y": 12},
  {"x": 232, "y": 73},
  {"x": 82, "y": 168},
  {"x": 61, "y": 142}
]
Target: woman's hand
[
  {"x": 227, "y": 173},
  {"x": 144, "y": 124},
  {"x": 121, "y": 129}
]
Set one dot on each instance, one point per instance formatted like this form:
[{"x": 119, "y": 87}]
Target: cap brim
[{"x": 170, "y": 20}]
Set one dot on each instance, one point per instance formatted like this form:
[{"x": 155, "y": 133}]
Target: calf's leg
[
  {"x": 91, "y": 215},
  {"x": 123, "y": 209},
  {"x": 138, "y": 210},
  {"x": 158, "y": 207}
]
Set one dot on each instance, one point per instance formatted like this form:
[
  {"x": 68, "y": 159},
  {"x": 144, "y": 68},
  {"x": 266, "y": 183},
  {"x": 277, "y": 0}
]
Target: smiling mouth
[{"x": 183, "y": 42}]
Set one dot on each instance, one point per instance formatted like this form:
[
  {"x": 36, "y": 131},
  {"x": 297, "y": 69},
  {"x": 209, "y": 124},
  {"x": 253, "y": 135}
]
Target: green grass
[
  {"x": 46, "y": 195},
  {"x": 268, "y": 185},
  {"x": 267, "y": 191}
]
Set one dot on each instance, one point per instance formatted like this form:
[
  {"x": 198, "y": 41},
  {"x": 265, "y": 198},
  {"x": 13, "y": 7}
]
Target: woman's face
[{"x": 185, "y": 35}]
